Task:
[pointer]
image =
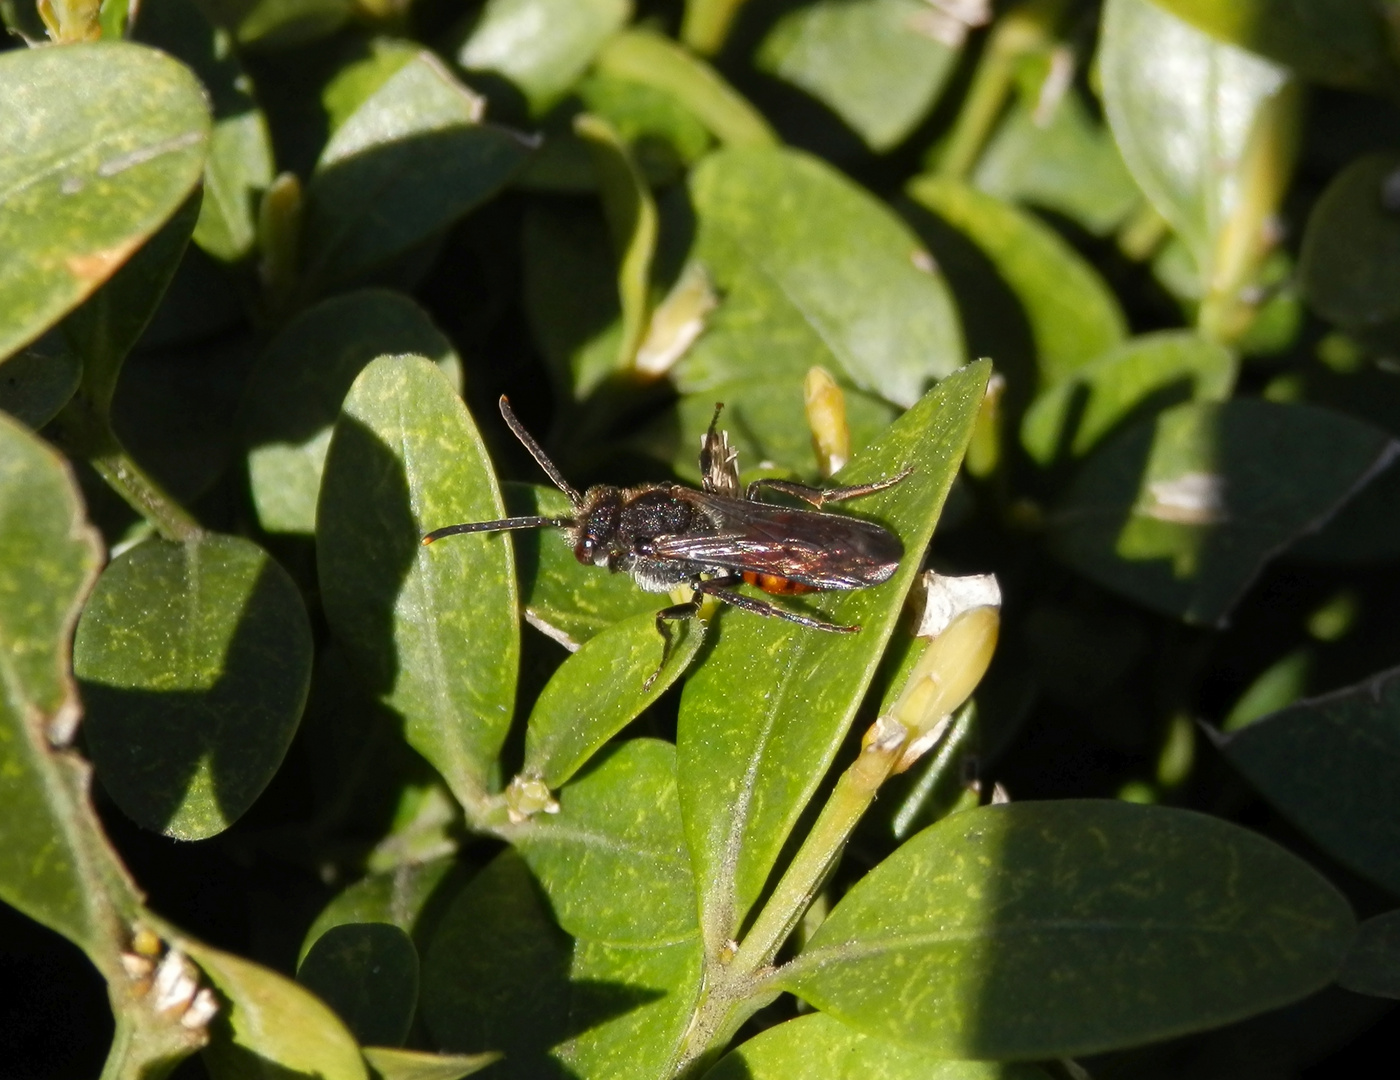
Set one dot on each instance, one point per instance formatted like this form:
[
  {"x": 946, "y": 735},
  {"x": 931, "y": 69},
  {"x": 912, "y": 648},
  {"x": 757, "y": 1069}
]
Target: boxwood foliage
[{"x": 1114, "y": 283}]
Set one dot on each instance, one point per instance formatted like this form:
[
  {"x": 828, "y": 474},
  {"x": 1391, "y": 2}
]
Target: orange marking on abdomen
[{"x": 778, "y": 586}]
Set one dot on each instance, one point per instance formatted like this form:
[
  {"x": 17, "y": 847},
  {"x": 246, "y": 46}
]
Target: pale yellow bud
[{"x": 826, "y": 416}]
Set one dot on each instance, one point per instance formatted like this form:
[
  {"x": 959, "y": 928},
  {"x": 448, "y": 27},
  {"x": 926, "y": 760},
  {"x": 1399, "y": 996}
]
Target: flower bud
[{"x": 826, "y": 416}]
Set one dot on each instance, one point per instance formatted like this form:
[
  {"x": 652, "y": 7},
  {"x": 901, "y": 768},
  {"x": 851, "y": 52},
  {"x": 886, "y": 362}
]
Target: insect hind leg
[
  {"x": 819, "y": 496},
  {"x": 722, "y": 588}
]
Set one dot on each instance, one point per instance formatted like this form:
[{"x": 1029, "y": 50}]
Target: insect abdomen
[{"x": 778, "y": 586}]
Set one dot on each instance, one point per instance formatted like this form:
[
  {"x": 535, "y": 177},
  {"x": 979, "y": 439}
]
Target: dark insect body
[{"x": 665, "y": 535}]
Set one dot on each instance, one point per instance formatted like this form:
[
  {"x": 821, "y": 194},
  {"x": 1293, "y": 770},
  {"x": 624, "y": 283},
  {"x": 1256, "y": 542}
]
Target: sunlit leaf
[
  {"x": 194, "y": 660},
  {"x": 295, "y": 391},
  {"x": 783, "y": 237},
  {"x": 954, "y": 941},
  {"x": 87, "y": 177},
  {"x": 432, "y": 631},
  {"x": 616, "y": 839},
  {"x": 762, "y": 718}
]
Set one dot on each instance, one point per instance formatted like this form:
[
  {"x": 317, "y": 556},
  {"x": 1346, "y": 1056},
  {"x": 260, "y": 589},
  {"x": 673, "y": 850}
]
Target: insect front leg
[
  {"x": 818, "y": 496},
  {"x": 676, "y": 612},
  {"x": 722, "y": 587}
]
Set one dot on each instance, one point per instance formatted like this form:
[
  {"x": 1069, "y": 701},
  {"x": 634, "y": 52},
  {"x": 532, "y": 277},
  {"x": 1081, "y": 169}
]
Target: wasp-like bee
[{"x": 666, "y": 535}]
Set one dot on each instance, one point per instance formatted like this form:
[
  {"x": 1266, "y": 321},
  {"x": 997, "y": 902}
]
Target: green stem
[
  {"x": 84, "y": 432},
  {"x": 706, "y": 24}
]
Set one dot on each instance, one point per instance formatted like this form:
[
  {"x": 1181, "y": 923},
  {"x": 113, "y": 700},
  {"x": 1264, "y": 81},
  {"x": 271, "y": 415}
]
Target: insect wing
[{"x": 825, "y": 551}]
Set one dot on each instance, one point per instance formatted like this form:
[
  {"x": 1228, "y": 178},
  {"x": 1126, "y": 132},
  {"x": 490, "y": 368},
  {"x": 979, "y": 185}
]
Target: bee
[{"x": 715, "y": 539}]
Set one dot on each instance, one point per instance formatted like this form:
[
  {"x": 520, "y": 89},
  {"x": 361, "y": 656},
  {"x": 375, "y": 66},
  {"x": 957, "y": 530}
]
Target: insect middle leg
[
  {"x": 818, "y": 496},
  {"x": 723, "y": 588}
]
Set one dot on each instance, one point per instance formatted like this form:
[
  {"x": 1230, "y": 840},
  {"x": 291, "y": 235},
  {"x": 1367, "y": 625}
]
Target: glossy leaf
[
  {"x": 563, "y": 598},
  {"x": 368, "y": 973},
  {"x": 1332, "y": 766},
  {"x": 783, "y": 236},
  {"x": 602, "y": 688},
  {"x": 48, "y": 561},
  {"x": 541, "y": 46},
  {"x": 818, "y": 1047},
  {"x": 652, "y": 60},
  {"x": 432, "y": 631},
  {"x": 87, "y": 177},
  {"x": 194, "y": 660},
  {"x": 1185, "y": 110},
  {"x": 240, "y": 165},
  {"x": 952, "y": 942},
  {"x": 1181, "y": 512},
  {"x": 869, "y": 62},
  {"x": 37, "y": 381},
  {"x": 1141, "y": 373},
  {"x": 1351, "y": 249},
  {"x": 762, "y": 718},
  {"x": 1072, "y": 313},
  {"x": 617, "y": 839},
  {"x": 1333, "y": 41},
  {"x": 295, "y": 391},
  {"x": 269, "y": 1025},
  {"x": 1056, "y": 155},
  {"x": 406, "y": 164},
  {"x": 1373, "y": 964},
  {"x": 390, "y": 1064}
]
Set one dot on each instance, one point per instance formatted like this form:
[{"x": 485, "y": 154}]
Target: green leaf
[
  {"x": 432, "y": 631},
  {"x": 648, "y": 58},
  {"x": 390, "y": 1064},
  {"x": 599, "y": 690},
  {"x": 1187, "y": 112},
  {"x": 632, "y": 1007},
  {"x": 1147, "y": 923},
  {"x": 870, "y": 62},
  {"x": 37, "y": 381},
  {"x": 566, "y": 600},
  {"x": 277, "y": 24},
  {"x": 406, "y": 164},
  {"x": 784, "y": 236},
  {"x": 541, "y": 46},
  {"x": 817, "y": 1047},
  {"x": 1373, "y": 965},
  {"x": 1142, "y": 373},
  {"x": 1350, "y": 266},
  {"x": 240, "y": 165},
  {"x": 1073, "y": 314},
  {"x": 195, "y": 661},
  {"x": 1058, "y": 156},
  {"x": 499, "y": 974},
  {"x": 1338, "y": 42},
  {"x": 270, "y": 1026},
  {"x": 616, "y": 839},
  {"x": 87, "y": 176},
  {"x": 368, "y": 973},
  {"x": 763, "y": 717},
  {"x": 766, "y": 421},
  {"x": 295, "y": 391},
  {"x": 663, "y": 135},
  {"x": 48, "y": 560},
  {"x": 631, "y": 214},
  {"x": 1181, "y": 512},
  {"x": 1331, "y": 765},
  {"x": 1279, "y": 685},
  {"x": 399, "y": 897}
]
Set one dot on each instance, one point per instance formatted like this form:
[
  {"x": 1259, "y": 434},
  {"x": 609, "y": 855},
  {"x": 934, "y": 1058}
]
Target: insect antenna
[
  {"x": 503, "y": 525},
  {"x": 537, "y": 452}
]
